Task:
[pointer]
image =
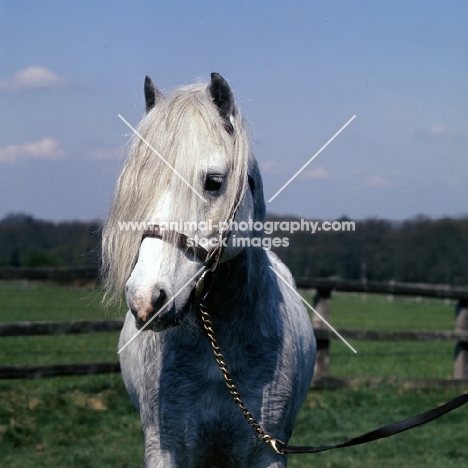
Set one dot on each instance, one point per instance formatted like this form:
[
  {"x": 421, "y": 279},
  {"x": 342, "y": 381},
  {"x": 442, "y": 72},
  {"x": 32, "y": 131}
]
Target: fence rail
[
  {"x": 65, "y": 274},
  {"x": 70, "y": 274},
  {"x": 384, "y": 287},
  {"x": 47, "y": 328},
  {"x": 322, "y": 302},
  {"x": 394, "y": 335},
  {"x": 59, "y": 328},
  {"x": 37, "y": 372}
]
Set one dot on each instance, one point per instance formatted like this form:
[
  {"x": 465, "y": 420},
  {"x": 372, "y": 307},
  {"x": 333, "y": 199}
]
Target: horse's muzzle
[
  {"x": 160, "y": 313},
  {"x": 158, "y": 321}
]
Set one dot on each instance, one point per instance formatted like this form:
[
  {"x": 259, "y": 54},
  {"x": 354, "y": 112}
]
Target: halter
[
  {"x": 180, "y": 240},
  {"x": 210, "y": 258}
]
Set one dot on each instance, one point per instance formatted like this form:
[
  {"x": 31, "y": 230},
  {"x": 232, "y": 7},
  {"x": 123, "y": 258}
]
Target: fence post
[
  {"x": 460, "y": 366},
  {"x": 322, "y": 306}
]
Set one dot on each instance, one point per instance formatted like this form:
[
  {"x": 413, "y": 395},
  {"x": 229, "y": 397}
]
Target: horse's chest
[{"x": 190, "y": 379}]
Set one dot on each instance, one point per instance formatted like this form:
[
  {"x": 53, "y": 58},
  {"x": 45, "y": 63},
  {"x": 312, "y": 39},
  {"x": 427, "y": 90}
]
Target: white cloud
[
  {"x": 33, "y": 77},
  {"x": 438, "y": 132},
  {"x": 106, "y": 153},
  {"x": 319, "y": 173},
  {"x": 275, "y": 168},
  {"x": 47, "y": 148},
  {"x": 272, "y": 167},
  {"x": 377, "y": 181}
]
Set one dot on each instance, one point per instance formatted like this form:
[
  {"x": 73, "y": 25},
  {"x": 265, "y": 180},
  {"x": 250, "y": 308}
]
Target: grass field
[{"x": 89, "y": 422}]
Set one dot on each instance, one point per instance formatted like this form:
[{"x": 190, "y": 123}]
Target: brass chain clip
[{"x": 276, "y": 444}]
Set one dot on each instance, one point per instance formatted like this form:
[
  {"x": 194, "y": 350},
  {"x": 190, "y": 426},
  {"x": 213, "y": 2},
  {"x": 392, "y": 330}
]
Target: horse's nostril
[{"x": 158, "y": 299}]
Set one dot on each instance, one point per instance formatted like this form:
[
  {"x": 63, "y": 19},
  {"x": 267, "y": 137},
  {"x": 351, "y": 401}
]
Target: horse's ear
[
  {"x": 152, "y": 94},
  {"x": 223, "y": 98}
]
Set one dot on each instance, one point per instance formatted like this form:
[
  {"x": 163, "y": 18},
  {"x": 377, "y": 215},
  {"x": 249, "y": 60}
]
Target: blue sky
[{"x": 299, "y": 70}]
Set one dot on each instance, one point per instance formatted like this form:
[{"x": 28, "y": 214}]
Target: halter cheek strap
[
  {"x": 210, "y": 258},
  {"x": 179, "y": 240}
]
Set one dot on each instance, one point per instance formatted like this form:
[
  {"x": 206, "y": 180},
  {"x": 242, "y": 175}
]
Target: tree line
[
  {"x": 26, "y": 241},
  {"x": 417, "y": 250}
]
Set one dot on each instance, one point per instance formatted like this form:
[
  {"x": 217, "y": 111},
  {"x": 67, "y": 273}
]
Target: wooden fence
[
  {"x": 322, "y": 304},
  {"x": 62, "y": 275},
  {"x": 323, "y": 288}
]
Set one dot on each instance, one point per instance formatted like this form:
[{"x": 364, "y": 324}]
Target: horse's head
[{"x": 190, "y": 171}]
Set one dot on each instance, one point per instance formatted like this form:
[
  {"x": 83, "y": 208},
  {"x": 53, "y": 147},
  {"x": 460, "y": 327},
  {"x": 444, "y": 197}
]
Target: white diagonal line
[
  {"x": 161, "y": 309},
  {"x": 313, "y": 310},
  {"x": 160, "y": 157},
  {"x": 312, "y": 158}
]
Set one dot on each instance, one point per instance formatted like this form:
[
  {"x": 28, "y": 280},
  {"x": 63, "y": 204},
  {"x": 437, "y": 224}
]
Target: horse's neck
[{"x": 241, "y": 284}]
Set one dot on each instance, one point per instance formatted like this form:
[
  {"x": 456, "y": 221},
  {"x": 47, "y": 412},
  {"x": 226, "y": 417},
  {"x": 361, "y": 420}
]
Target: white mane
[{"x": 183, "y": 127}]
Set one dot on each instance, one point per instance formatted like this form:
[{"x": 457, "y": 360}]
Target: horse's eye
[{"x": 213, "y": 183}]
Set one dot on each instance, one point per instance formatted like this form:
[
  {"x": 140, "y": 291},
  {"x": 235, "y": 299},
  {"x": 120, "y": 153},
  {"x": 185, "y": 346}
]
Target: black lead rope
[{"x": 384, "y": 431}]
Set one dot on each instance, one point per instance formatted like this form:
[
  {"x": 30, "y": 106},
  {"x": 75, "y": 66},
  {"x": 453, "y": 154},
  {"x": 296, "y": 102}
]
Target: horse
[{"x": 191, "y": 164}]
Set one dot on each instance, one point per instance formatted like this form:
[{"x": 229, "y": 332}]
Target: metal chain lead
[{"x": 208, "y": 326}]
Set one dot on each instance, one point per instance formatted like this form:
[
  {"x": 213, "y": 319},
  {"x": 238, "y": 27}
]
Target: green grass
[
  {"x": 328, "y": 417},
  {"x": 372, "y": 311},
  {"x": 69, "y": 422},
  {"x": 20, "y": 302},
  {"x": 89, "y": 421}
]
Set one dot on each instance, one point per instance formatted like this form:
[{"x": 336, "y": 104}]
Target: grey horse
[{"x": 192, "y": 164}]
